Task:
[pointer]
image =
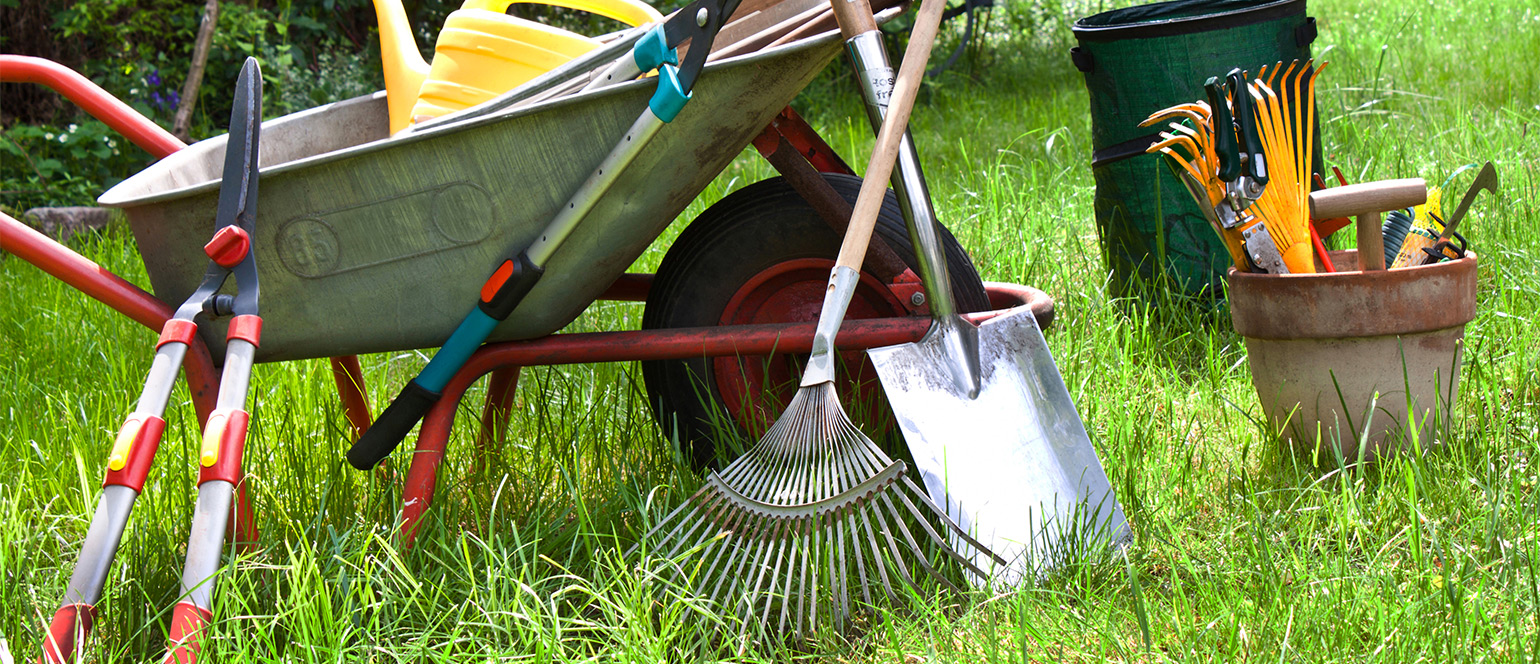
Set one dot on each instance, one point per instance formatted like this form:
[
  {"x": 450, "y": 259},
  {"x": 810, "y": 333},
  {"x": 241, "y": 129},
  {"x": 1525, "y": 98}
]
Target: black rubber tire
[{"x": 743, "y": 234}]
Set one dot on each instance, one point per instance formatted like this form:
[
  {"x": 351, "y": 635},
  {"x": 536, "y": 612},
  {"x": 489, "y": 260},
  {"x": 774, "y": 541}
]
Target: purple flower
[{"x": 153, "y": 79}]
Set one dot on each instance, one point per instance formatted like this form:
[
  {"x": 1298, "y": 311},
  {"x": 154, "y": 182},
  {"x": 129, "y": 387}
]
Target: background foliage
[{"x": 312, "y": 52}]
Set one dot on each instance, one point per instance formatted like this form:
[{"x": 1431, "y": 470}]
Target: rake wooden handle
[
  {"x": 885, "y": 152},
  {"x": 1366, "y": 201}
]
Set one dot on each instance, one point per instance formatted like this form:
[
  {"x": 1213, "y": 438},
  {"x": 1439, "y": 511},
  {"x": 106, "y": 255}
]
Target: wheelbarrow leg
[
  {"x": 353, "y": 392},
  {"x": 422, "y": 478},
  {"x": 494, "y": 415}
]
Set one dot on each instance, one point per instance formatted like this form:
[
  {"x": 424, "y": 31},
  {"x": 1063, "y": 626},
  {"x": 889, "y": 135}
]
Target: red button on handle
[{"x": 229, "y": 246}]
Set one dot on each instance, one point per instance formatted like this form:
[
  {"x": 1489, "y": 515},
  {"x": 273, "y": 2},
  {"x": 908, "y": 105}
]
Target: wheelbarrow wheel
[{"x": 763, "y": 255}]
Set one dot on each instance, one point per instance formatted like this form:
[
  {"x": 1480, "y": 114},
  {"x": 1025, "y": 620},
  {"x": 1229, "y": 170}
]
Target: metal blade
[
  {"x": 1486, "y": 179},
  {"x": 1018, "y": 448},
  {"x": 238, "y": 190}
]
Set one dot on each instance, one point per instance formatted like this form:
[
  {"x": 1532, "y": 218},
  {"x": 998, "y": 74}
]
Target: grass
[{"x": 1245, "y": 550}]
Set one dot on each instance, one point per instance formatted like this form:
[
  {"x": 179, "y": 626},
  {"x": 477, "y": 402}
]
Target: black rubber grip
[
  {"x": 391, "y": 427},
  {"x": 1224, "y": 131},
  {"x": 1246, "y": 127}
]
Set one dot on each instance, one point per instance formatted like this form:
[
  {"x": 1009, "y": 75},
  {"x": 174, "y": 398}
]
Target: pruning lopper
[
  {"x": 697, "y": 23},
  {"x": 224, "y": 434},
  {"x": 1242, "y": 168}
]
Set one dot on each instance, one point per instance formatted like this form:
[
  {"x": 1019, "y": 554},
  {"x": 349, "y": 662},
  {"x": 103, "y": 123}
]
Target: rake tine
[
  {"x": 775, "y": 573},
  {"x": 851, "y": 532},
  {"x": 945, "y": 546},
  {"x": 796, "y": 542},
  {"x": 737, "y": 574},
  {"x": 1197, "y": 108},
  {"x": 808, "y": 558},
  {"x": 729, "y": 543},
  {"x": 750, "y": 599},
  {"x": 882, "y": 569},
  {"x": 898, "y": 561},
  {"x": 842, "y": 589},
  {"x": 748, "y": 595},
  {"x": 687, "y": 504},
  {"x": 919, "y": 555},
  {"x": 684, "y": 538},
  {"x": 952, "y": 525}
]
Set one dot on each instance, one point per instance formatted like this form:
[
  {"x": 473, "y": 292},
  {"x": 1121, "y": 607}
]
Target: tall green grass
[{"x": 1245, "y": 549}]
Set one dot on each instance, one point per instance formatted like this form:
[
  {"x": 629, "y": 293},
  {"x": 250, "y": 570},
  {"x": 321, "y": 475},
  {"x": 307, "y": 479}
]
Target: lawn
[{"x": 1244, "y": 550}]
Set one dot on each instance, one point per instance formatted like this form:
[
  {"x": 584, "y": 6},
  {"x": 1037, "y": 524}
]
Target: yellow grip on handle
[{"x": 630, "y": 12}]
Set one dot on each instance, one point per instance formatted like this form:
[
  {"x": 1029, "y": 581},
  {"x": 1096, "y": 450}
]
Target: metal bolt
[
  {"x": 701, "y": 16},
  {"x": 917, "y": 299}
]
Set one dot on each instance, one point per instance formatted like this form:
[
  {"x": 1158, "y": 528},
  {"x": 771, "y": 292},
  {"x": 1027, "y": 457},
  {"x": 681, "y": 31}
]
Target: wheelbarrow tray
[{"x": 370, "y": 243}]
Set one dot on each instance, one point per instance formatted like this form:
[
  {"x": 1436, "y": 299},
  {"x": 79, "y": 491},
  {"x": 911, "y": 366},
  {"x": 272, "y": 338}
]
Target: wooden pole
[{"x": 200, "y": 58}]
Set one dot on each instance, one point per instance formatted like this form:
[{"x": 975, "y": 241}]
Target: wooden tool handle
[
  {"x": 1371, "y": 242},
  {"x": 874, "y": 184},
  {"x": 855, "y": 17},
  {"x": 1366, "y": 201},
  {"x": 1356, "y": 199}
]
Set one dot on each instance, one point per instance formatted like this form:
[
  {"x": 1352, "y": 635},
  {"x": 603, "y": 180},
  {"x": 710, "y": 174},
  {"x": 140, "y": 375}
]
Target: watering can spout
[{"x": 405, "y": 70}]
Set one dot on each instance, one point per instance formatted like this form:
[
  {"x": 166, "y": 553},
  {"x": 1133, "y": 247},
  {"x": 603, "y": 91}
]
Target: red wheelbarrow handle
[{"x": 91, "y": 97}]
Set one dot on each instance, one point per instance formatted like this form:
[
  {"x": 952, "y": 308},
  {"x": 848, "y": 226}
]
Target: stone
[{"x": 63, "y": 223}]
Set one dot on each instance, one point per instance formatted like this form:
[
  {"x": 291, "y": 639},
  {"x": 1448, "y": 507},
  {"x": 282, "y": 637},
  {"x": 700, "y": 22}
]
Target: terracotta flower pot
[{"x": 1323, "y": 347}]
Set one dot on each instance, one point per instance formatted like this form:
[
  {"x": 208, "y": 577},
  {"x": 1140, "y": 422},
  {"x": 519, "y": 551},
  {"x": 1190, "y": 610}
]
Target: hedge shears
[{"x": 224, "y": 434}]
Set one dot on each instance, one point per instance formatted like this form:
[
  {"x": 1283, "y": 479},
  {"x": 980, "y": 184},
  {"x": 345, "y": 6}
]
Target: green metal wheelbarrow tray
[{"x": 372, "y": 243}]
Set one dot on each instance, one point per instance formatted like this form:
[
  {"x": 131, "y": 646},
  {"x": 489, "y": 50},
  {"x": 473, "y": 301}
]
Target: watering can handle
[{"x": 630, "y": 12}]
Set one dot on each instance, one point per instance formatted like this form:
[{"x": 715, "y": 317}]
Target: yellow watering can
[{"x": 481, "y": 53}]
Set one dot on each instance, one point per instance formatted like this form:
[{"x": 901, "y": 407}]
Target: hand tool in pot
[
  {"x": 512, "y": 279},
  {"x": 1247, "y": 159},
  {"x": 815, "y": 507},
  {"x": 1366, "y": 201},
  {"x": 224, "y": 435},
  {"x": 1443, "y": 249}
]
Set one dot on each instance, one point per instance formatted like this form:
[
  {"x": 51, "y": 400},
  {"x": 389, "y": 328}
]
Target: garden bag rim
[{"x": 1180, "y": 17}]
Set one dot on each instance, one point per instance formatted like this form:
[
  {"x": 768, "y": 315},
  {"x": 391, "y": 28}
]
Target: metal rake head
[{"x": 812, "y": 515}]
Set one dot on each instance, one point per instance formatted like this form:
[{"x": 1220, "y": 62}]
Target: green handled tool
[
  {"x": 1237, "y": 143},
  {"x": 515, "y": 277},
  {"x": 1242, "y": 168}
]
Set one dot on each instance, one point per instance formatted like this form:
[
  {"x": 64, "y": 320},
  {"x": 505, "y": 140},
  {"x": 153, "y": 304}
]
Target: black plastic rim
[{"x": 1166, "y": 19}]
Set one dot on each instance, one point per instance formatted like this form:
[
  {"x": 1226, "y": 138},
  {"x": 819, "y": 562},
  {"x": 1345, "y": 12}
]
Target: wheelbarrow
[{"x": 350, "y": 217}]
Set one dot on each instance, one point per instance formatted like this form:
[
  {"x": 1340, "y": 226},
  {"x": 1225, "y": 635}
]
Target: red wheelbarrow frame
[{"x": 809, "y": 154}]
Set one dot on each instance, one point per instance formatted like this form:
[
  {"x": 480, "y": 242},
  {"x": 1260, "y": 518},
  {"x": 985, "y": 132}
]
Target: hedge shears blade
[{"x": 224, "y": 435}]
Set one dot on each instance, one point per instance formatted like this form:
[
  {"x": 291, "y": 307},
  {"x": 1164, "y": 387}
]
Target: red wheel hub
[{"x": 755, "y": 390}]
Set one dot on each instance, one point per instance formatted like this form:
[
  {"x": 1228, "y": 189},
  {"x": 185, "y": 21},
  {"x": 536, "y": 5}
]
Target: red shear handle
[
  {"x": 224, "y": 443},
  {"x": 129, "y": 463},
  {"x": 67, "y": 633},
  {"x": 187, "y": 623}
]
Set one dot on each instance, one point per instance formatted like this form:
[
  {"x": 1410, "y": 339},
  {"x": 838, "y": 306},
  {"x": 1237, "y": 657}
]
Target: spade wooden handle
[{"x": 874, "y": 184}]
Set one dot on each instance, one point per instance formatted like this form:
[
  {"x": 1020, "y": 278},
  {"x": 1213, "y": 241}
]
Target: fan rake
[{"x": 815, "y": 513}]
